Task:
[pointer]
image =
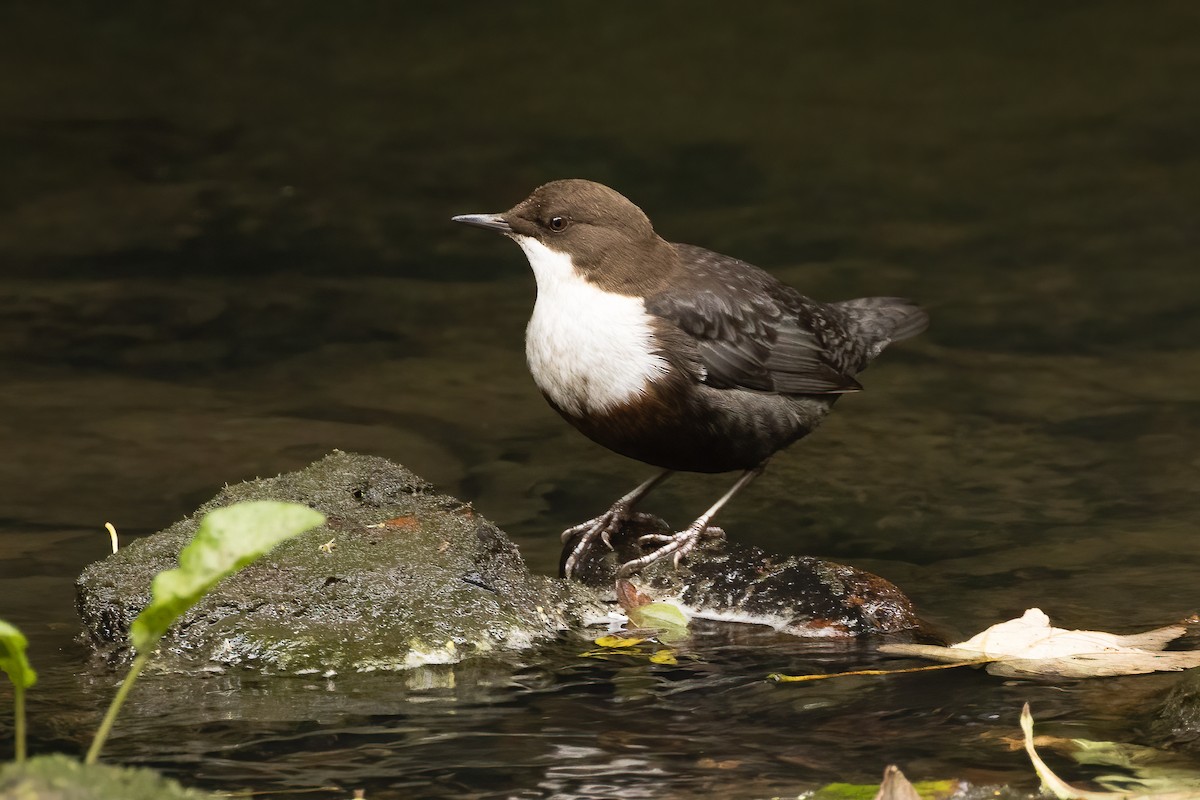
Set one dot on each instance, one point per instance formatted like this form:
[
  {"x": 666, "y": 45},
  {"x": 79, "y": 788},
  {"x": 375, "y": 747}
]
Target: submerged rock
[
  {"x": 725, "y": 581},
  {"x": 399, "y": 576},
  {"x": 1178, "y": 720}
]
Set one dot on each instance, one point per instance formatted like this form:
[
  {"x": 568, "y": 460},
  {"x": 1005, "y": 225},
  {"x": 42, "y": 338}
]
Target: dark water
[{"x": 224, "y": 252}]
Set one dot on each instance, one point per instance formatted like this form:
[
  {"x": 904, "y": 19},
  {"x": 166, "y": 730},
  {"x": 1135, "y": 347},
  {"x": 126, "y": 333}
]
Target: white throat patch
[{"x": 589, "y": 350}]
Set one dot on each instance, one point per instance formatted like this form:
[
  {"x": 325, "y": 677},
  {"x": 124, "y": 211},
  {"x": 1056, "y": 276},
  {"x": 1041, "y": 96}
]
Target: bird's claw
[
  {"x": 606, "y": 536},
  {"x": 586, "y": 528},
  {"x": 677, "y": 545},
  {"x": 602, "y": 526},
  {"x": 694, "y": 533}
]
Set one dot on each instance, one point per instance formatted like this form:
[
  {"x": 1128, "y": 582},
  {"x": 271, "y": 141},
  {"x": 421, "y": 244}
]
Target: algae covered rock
[
  {"x": 398, "y": 577},
  {"x": 59, "y": 777}
]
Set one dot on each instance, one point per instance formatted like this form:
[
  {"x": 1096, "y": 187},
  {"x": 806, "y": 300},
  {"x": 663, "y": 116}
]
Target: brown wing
[{"x": 753, "y": 332}]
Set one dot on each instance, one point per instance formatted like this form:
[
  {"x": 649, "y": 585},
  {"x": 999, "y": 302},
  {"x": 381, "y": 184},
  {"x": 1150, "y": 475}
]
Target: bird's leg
[
  {"x": 682, "y": 543},
  {"x": 607, "y": 523}
]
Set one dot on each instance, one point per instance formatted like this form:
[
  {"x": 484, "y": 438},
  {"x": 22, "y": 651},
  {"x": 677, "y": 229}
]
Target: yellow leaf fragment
[
  {"x": 779, "y": 677},
  {"x": 664, "y": 656},
  {"x": 614, "y": 641}
]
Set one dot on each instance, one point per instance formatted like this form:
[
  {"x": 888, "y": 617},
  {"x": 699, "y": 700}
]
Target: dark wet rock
[
  {"x": 726, "y": 581},
  {"x": 58, "y": 777},
  {"x": 399, "y": 576},
  {"x": 1178, "y": 722}
]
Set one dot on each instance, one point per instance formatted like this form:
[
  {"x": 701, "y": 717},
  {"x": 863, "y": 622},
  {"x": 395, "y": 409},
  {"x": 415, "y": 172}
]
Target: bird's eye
[{"x": 558, "y": 223}]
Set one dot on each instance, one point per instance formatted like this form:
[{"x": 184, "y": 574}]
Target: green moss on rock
[
  {"x": 400, "y": 576},
  {"x": 59, "y": 777}
]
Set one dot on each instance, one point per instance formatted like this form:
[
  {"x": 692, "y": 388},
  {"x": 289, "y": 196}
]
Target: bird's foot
[
  {"x": 676, "y": 545},
  {"x": 602, "y": 527}
]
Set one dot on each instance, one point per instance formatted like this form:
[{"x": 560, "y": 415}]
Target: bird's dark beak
[{"x": 493, "y": 222}]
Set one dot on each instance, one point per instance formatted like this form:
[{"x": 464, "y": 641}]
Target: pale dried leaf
[
  {"x": 1095, "y": 665},
  {"x": 1032, "y": 636},
  {"x": 1029, "y": 647},
  {"x": 895, "y": 786}
]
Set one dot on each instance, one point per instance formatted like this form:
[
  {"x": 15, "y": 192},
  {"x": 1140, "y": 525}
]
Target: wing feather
[{"x": 752, "y": 332}]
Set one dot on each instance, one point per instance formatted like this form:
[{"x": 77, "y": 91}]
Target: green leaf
[
  {"x": 657, "y": 615},
  {"x": 12, "y": 656},
  {"x": 1153, "y": 771},
  {"x": 667, "y": 619},
  {"x": 228, "y": 539}
]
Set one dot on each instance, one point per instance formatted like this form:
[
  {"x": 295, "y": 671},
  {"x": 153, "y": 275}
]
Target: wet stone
[
  {"x": 1178, "y": 721},
  {"x": 399, "y": 576},
  {"x": 723, "y": 580}
]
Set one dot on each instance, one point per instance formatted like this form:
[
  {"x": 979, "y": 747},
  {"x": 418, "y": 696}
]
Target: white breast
[{"x": 589, "y": 350}]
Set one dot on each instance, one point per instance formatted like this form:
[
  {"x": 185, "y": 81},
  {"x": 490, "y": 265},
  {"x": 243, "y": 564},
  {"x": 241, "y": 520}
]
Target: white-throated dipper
[{"x": 675, "y": 355}]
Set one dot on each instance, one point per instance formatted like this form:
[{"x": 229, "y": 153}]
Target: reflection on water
[{"x": 225, "y": 252}]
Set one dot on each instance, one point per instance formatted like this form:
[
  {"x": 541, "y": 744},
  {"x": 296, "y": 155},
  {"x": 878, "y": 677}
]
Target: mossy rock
[
  {"x": 59, "y": 777},
  {"x": 398, "y": 577}
]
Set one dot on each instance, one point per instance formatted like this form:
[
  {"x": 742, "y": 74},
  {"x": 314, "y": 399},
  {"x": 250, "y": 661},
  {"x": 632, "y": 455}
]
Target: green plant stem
[
  {"x": 19, "y": 714},
  {"x": 106, "y": 726}
]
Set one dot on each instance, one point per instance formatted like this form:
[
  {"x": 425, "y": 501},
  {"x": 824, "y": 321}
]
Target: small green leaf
[
  {"x": 667, "y": 621},
  {"x": 658, "y": 615},
  {"x": 228, "y": 539},
  {"x": 12, "y": 656}
]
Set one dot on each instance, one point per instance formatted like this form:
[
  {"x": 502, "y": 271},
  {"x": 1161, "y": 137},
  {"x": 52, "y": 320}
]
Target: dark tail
[{"x": 883, "y": 320}]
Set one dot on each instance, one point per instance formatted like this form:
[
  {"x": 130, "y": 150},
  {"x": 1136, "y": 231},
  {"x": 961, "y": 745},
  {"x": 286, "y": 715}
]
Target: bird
[{"x": 674, "y": 355}]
